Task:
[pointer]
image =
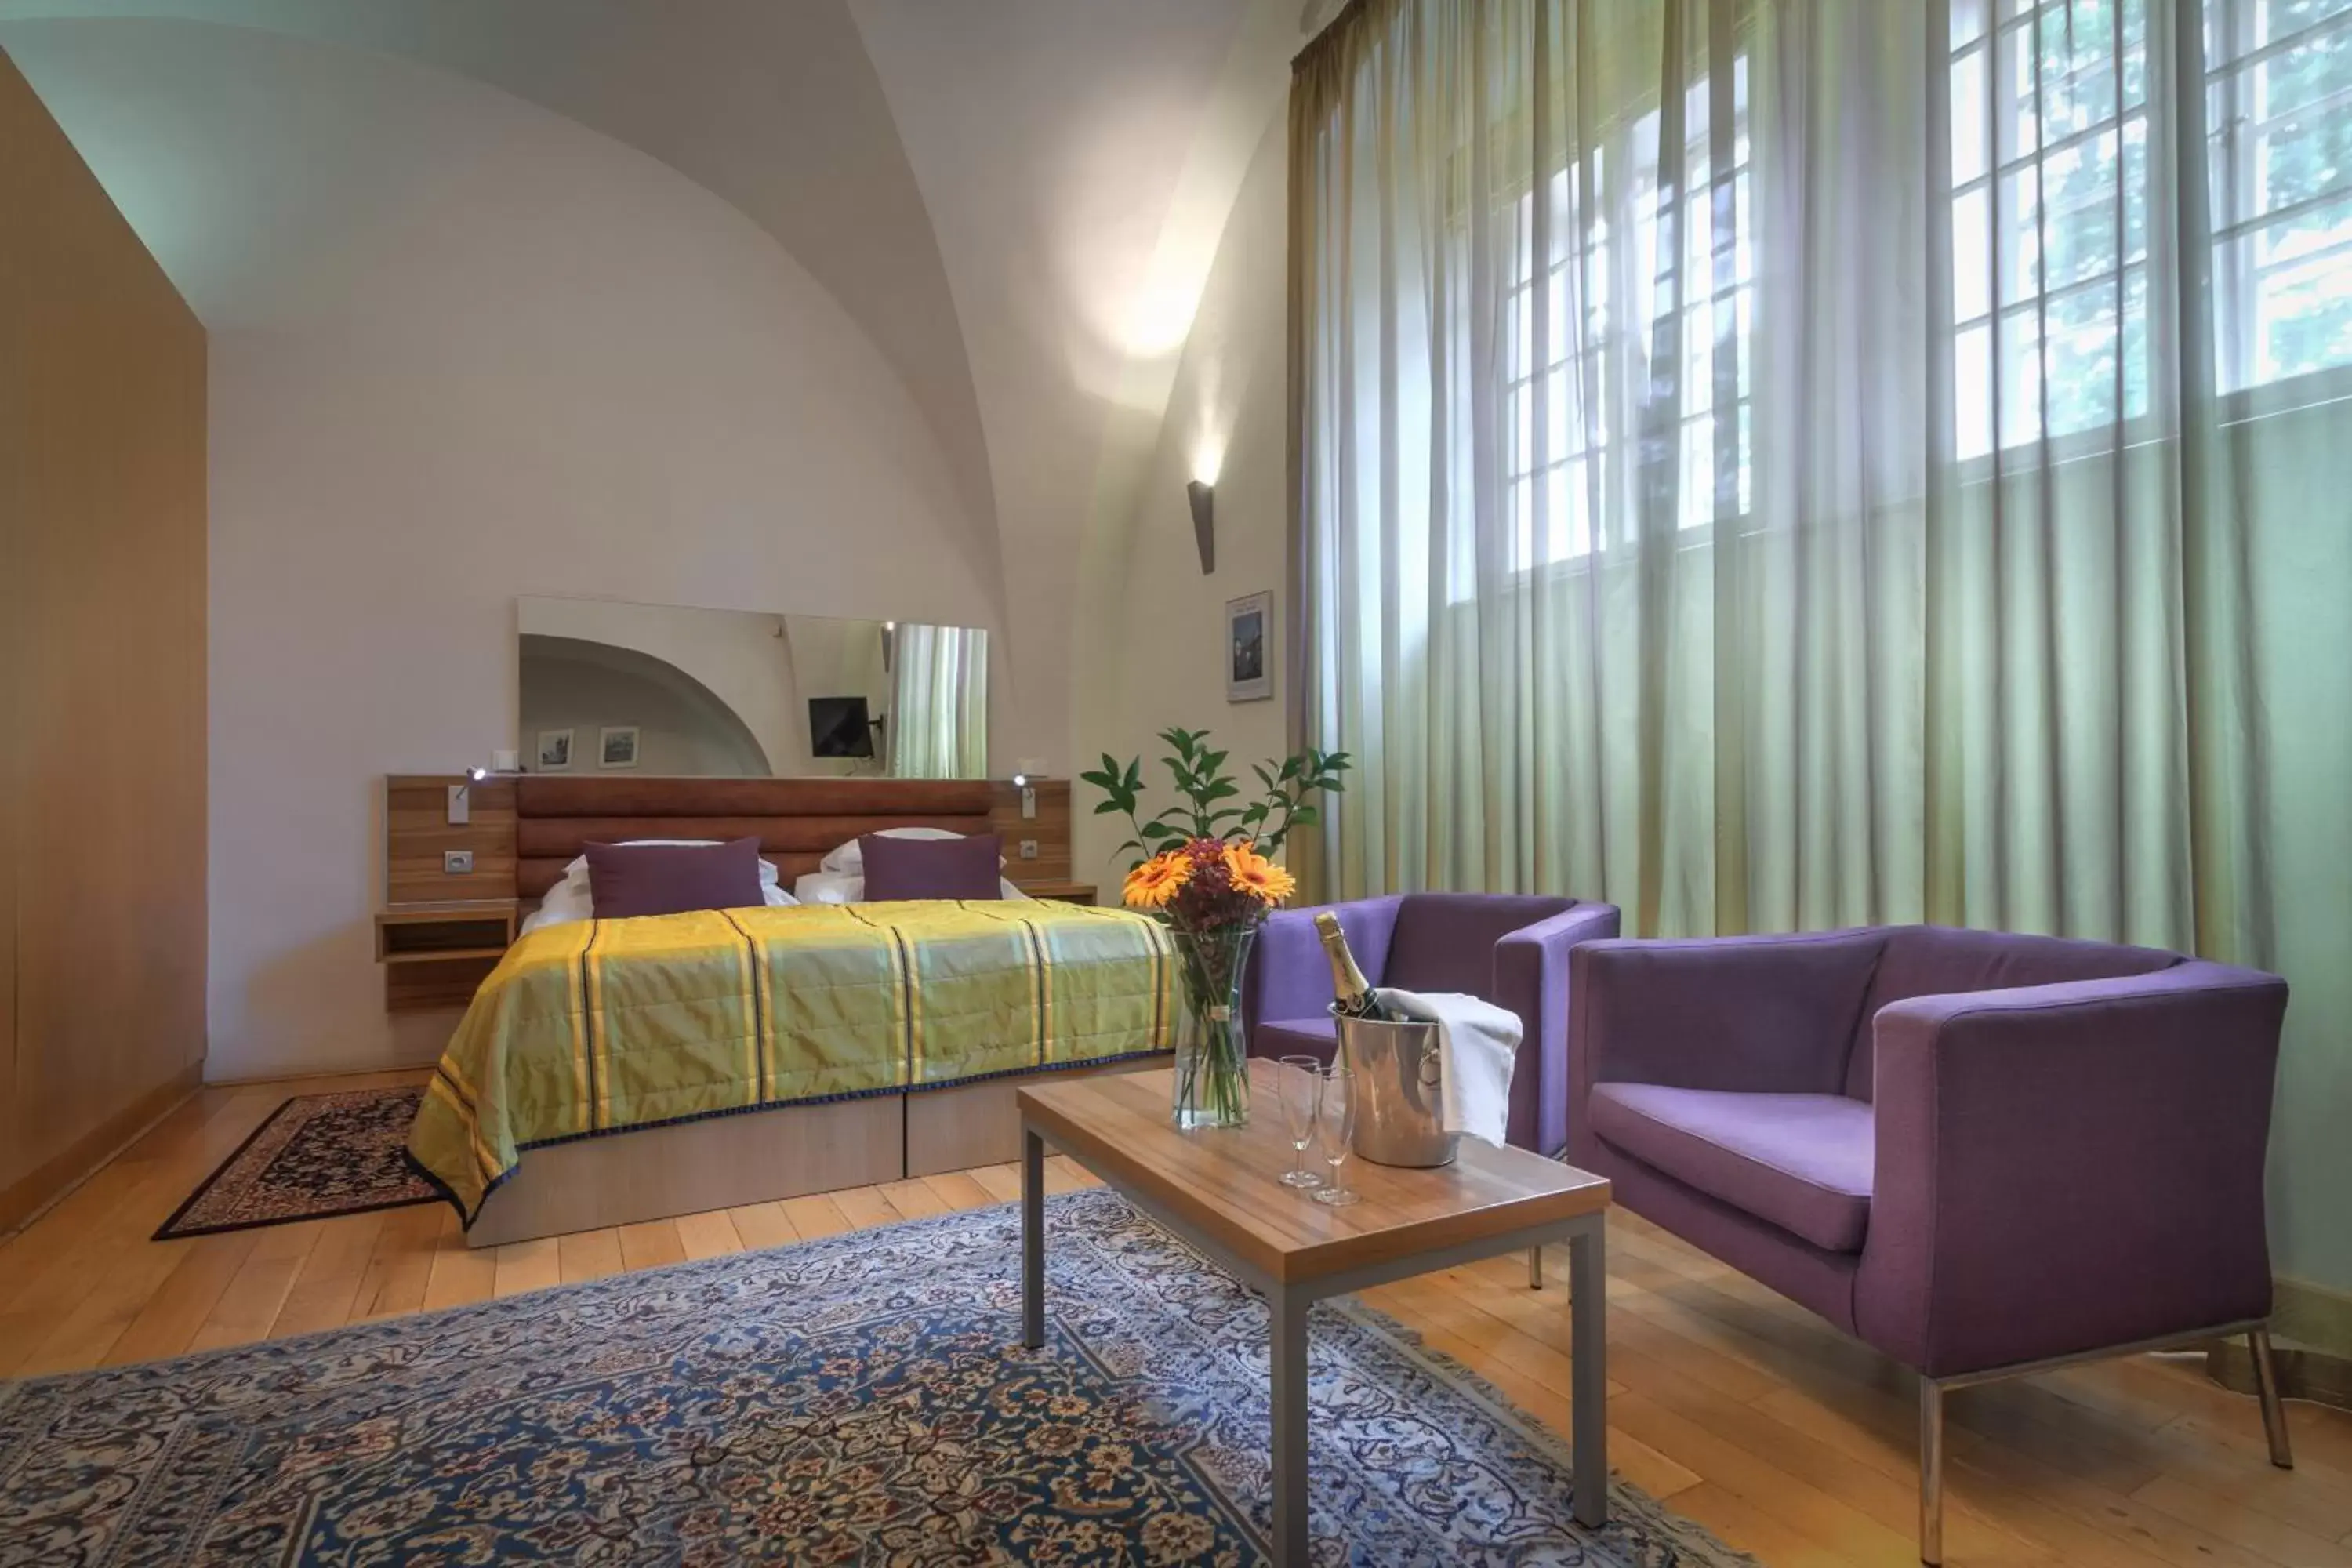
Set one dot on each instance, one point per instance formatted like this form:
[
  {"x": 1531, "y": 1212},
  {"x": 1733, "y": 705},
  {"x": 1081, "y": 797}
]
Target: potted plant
[{"x": 1207, "y": 868}]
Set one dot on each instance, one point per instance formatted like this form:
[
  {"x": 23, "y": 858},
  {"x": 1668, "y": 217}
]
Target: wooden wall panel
[
  {"x": 417, "y": 831},
  {"x": 1050, "y": 827},
  {"x": 102, "y": 516}
]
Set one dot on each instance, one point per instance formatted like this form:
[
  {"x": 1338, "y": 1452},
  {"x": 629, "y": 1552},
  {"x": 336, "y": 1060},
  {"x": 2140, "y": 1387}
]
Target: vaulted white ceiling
[{"x": 1015, "y": 200}]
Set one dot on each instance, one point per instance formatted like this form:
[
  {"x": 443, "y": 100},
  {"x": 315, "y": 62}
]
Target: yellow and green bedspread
[{"x": 604, "y": 1026}]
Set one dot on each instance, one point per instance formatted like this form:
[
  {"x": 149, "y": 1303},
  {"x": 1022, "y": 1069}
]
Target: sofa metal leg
[
  {"x": 1535, "y": 1268},
  {"x": 2258, "y": 1340},
  {"x": 1931, "y": 1470}
]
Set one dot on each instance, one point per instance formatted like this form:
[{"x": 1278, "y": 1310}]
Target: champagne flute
[
  {"x": 1335, "y": 1127},
  {"x": 1300, "y": 1076}
]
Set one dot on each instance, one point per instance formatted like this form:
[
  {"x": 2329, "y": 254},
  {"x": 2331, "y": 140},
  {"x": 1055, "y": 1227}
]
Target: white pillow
[
  {"x": 830, "y": 887},
  {"x": 850, "y": 858},
  {"x": 849, "y": 887},
  {"x": 577, "y": 871},
  {"x": 567, "y": 901},
  {"x": 563, "y": 904}
]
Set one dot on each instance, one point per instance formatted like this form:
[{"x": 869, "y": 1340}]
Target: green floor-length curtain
[{"x": 1777, "y": 464}]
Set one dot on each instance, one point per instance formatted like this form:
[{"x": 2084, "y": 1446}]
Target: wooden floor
[{"x": 1744, "y": 1411}]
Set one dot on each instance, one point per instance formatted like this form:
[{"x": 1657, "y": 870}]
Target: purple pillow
[
  {"x": 626, "y": 879},
  {"x": 929, "y": 868}
]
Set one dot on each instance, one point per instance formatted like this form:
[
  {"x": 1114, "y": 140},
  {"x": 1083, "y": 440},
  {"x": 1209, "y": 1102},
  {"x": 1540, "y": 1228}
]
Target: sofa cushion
[
  {"x": 1801, "y": 1162},
  {"x": 1318, "y": 1037}
]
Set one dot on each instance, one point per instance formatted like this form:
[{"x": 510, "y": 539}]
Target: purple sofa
[
  {"x": 1511, "y": 950},
  {"x": 1981, "y": 1154}
]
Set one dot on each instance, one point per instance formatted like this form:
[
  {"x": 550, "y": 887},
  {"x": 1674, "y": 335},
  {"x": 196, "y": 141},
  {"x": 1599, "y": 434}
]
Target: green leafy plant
[{"x": 1213, "y": 805}]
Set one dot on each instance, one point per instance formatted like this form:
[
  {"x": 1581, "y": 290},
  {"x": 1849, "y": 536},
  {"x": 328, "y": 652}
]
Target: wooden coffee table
[{"x": 1221, "y": 1191}]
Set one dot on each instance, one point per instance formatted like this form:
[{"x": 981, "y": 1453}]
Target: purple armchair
[
  {"x": 1980, "y": 1153},
  {"x": 1510, "y": 950}
]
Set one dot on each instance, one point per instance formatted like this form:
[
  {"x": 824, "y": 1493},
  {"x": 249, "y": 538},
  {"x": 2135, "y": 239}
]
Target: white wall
[
  {"x": 469, "y": 351},
  {"x": 1151, "y": 644}
]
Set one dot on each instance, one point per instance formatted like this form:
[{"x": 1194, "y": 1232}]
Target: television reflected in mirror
[
  {"x": 732, "y": 693},
  {"x": 840, "y": 727}
]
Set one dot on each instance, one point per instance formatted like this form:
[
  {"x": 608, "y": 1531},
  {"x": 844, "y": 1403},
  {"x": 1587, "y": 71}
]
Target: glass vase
[{"x": 1212, "y": 1057}]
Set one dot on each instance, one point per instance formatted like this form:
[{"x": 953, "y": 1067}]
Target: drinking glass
[
  {"x": 1334, "y": 1128},
  {"x": 1300, "y": 1075}
]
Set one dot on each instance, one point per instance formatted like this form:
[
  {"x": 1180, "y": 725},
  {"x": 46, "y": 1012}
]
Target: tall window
[
  {"x": 1560, "y": 458},
  {"x": 2279, "y": 112},
  {"x": 2050, "y": 148},
  {"x": 2049, "y": 137}
]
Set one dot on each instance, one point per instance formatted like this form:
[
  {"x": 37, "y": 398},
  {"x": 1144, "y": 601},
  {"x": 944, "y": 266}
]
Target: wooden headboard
[
  {"x": 795, "y": 820},
  {"x": 526, "y": 828}
]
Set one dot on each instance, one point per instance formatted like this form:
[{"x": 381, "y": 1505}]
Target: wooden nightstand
[
  {"x": 435, "y": 953},
  {"x": 1060, "y": 892}
]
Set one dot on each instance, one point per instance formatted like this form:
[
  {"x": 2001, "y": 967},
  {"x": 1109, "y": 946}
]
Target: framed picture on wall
[
  {"x": 1249, "y": 647},
  {"x": 554, "y": 750},
  {"x": 617, "y": 746}
]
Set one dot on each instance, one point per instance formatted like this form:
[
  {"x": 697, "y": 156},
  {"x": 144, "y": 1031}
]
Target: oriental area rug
[
  {"x": 862, "y": 1398},
  {"x": 317, "y": 1156}
]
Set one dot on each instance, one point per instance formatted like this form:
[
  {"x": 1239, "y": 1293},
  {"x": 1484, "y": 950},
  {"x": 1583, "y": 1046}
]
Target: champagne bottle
[{"x": 1352, "y": 993}]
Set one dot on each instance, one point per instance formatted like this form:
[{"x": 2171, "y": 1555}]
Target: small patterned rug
[
  {"x": 317, "y": 1156},
  {"x": 863, "y": 1398}
]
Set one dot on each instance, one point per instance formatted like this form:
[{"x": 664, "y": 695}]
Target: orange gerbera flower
[
  {"x": 1151, "y": 885},
  {"x": 1253, "y": 874}
]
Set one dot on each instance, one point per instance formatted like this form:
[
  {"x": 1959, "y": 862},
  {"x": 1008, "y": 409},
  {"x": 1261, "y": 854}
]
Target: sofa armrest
[
  {"x": 1763, "y": 1014},
  {"x": 1531, "y": 980},
  {"x": 2068, "y": 1167},
  {"x": 1288, "y": 975}
]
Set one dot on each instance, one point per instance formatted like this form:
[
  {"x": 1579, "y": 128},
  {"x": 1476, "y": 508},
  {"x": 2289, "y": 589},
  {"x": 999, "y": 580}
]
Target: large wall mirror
[{"x": 663, "y": 689}]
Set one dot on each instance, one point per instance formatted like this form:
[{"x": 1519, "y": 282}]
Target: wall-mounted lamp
[
  {"x": 889, "y": 646},
  {"x": 1028, "y": 794},
  {"x": 1204, "y": 496}
]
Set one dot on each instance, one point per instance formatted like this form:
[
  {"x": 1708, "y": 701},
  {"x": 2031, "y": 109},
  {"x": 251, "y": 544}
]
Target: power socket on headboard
[{"x": 436, "y": 848}]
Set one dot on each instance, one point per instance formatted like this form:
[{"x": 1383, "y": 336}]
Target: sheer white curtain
[
  {"x": 938, "y": 703},
  {"x": 1783, "y": 463}
]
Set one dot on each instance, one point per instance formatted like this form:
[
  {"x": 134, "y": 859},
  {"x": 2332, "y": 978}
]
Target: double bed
[{"x": 614, "y": 1071}]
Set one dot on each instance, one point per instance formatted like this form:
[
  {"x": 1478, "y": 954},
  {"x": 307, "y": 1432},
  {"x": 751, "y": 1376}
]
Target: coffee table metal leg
[
  {"x": 1287, "y": 1313},
  {"x": 1033, "y": 1240},
  {"x": 1588, "y": 1277}
]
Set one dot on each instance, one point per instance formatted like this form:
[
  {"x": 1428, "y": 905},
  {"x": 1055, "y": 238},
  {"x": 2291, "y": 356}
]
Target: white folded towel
[{"x": 1479, "y": 1044}]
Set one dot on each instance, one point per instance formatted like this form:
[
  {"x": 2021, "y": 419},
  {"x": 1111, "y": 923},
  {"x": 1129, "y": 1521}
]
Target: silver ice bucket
[{"x": 1399, "y": 1118}]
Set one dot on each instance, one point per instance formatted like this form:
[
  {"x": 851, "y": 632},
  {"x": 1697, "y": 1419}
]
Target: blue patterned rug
[{"x": 859, "y": 1399}]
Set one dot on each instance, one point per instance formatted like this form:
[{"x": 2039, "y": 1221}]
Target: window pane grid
[
  {"x": 2279, "y": 91},
  {"x": 2090, "y": 132},
  {"x": 2050, "y": 131},
  {"x": 2334, "y": 197},
  {"x": 2285, "y": 43},
  {"x": 1572, "y": 458},
  {"x": 2107, "y": 282}
]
